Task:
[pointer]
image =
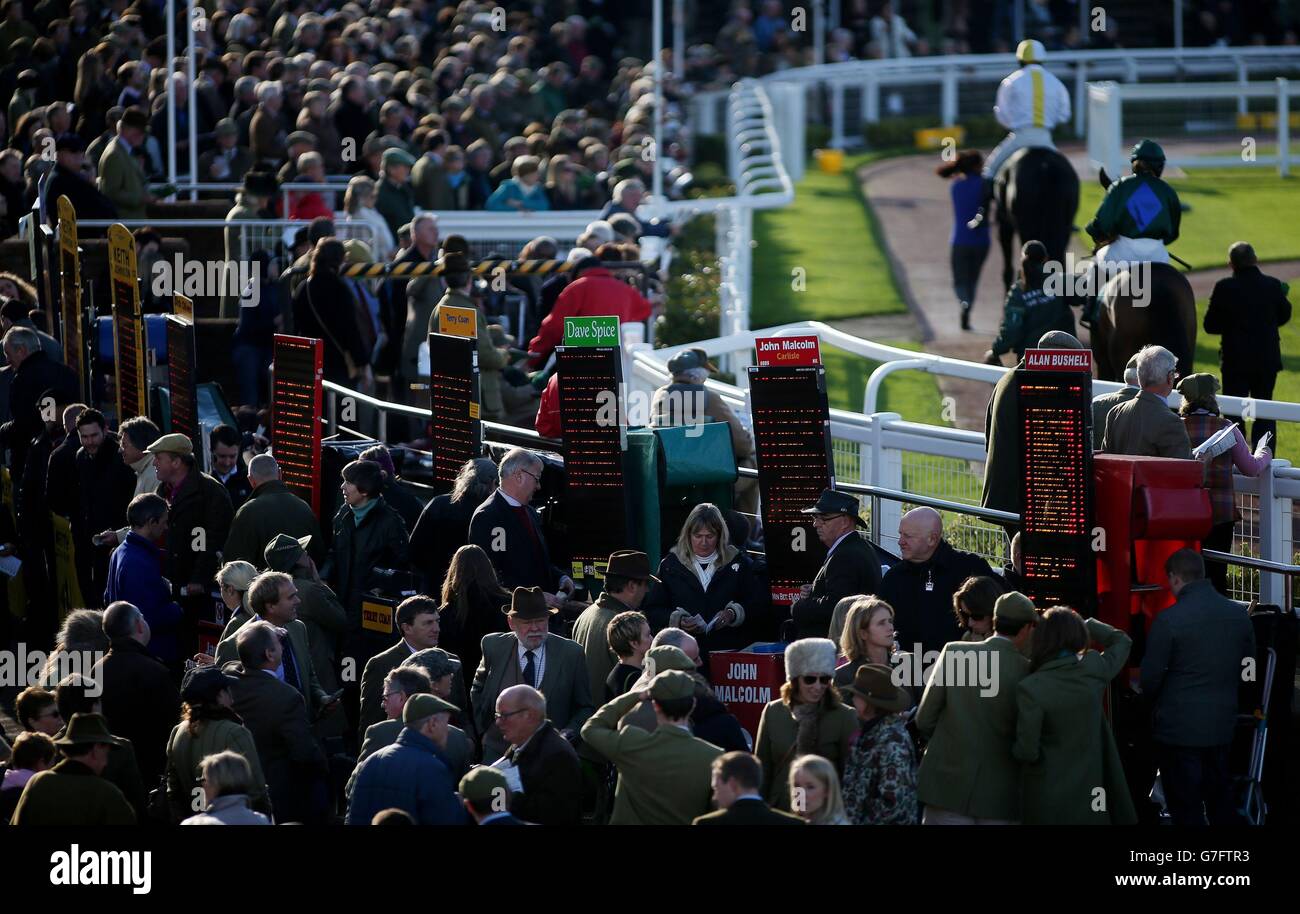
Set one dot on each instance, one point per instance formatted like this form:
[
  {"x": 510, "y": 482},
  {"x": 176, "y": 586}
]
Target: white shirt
[
  {"x": 539, "y": 661},
  {"x": 1032, "y": 97},
  {"x": 840, "y": 540},
  {"x": 514, "y": 503}
]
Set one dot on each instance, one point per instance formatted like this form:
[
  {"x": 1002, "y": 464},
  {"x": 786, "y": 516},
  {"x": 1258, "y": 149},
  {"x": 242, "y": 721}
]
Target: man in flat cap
[
  {"x": 968, "y": 775},
  {"x": 395, "y": 199},
  {"x": 627, "y": 581},
  {"x": 664, "y": 777},
  {"x": 531, "y": 655},
  {"x": 227, "y": 160},
  {"x": 121, "y": 177},
  {"x": 412, "y": 774},
  {"x": 486, "y": 796},
  {"x": 69, "y": 180},
  {"x": 685, "y": 400},
  {"x": 299, "y": 143},
  {"x": 73, "y": 791},
  {"x": 851, "y": 566},
  {"x": 198, "y": 526}
]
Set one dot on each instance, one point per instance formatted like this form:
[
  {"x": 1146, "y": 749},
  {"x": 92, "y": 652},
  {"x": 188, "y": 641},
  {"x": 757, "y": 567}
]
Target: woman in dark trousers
[
  {"x": 324, "y": 307},
  {"x": 368, "y": 534},
  {"x": 969, "y": 246},
  {"x": 472, "y": 602},
  {"x": 443, "y": 525},
  {"x": 706, "y": 586}
]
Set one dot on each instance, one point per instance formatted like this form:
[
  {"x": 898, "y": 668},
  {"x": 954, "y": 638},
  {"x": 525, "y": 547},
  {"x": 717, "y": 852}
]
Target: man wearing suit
[
  {"x": 275, "y": 713},
  {"x": 1145, "y": 426},
  {"x": 737, "y": 792},
  {"x": 540, "y": 766},
  {"x": 508, "y": 529},
  {"x": 529, "y": 655},
  {"x": 1102, "y": 404},
  {"x": 664, "y": 777},
  {"x": 1247, "y": 308},
  {"x": 851, "y": 566},
  {"x": 485, "y": 793},
  {"x": 417, "y": 620},
  {"x": 1191, "y": 674},
  {"x": 273, "y": 597},
  {"x": 968, "y": 775},
  {"x": 121, "y": 178}
]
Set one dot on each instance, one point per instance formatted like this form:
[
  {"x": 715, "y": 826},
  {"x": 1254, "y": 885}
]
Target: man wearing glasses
[
  {"x": 1145, "y": 426},
  {"x": 507, "y": 528},
  {"x": 851, "y": 566}
]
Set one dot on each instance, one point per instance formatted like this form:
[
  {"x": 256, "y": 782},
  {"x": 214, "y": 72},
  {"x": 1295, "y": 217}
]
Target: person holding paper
[
  {"x": 706, "y": 586},
  {"x": 1220, "y": 444}
]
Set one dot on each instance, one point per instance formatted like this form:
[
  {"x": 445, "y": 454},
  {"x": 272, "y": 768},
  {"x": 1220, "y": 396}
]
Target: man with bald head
[
  {"x": 1002, "y": 435},
  {"x": 271, "y": 509},
  {"x": 540, "y": 766},
  {"x": 920, "y": 587}
]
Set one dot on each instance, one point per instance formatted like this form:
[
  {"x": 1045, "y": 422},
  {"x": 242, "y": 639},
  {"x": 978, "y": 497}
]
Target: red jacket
[
  {"x": 595, "y": 293},
  {"x": 548, "y": 411}
]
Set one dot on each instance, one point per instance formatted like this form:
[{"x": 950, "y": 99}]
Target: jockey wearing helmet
[
  {"x": 1139, "y": 214},
  {"x": 1031, "y": 101}
]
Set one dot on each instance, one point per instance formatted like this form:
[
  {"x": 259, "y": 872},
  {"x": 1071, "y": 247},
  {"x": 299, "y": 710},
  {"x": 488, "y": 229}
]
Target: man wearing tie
[
  {"x": 273, "y": 597},
  {"x": 530, "y": 655}
]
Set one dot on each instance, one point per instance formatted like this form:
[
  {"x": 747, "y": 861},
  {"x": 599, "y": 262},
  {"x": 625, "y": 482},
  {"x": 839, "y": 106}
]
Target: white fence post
[
  {"x": 837, "y": 115},
  {"x": 1274, "y": 533},
  {"x": 1283, "y": 127},
  {"x": 948, "y": 100}
]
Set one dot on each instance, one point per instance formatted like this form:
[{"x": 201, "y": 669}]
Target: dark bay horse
[
  {"x": 1037, "y": 193},
  {"x": 1164, "y": 315}
]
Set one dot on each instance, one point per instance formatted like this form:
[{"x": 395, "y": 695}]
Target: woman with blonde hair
[
  {"x": 815, "y": 792},
  {"x": 359, "y": 206},
  {"x": 706, "y": 585},
  {"x": 867, "y": 637},
  {"x": 810, "y": 718},
  {"x": 234, "y": 579},
  {"x": 472, "y": 601}
]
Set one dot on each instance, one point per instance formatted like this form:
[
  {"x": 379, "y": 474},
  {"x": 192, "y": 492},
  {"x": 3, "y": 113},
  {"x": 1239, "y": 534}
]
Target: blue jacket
[
  {"x": 511, "y": 190},
  {"x": 135, "y": 575},
  {"x": 410, "y": 775}
]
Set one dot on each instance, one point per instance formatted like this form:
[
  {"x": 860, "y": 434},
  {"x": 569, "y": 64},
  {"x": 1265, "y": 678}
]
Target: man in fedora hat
[
  {"x": 968, "y": 775},
  {"x": 121, "y": 178},
  {"x": 270, "y": 510},
  {"x": 412, "y": 774},
  {"x": 851, "y": 566},
  {"x": 880, "y": 775},
  {"x": 738, "y": 794},
  {"x": 627, "y": 581},
  {"x": 685, "y": 400},
  {"x": 664, "y": 777},
  {"x": 486, "y": 796},
  {"x": 68, "y": 180},
  {"x": 72, "y": 792},
  {"x": 531, "y": 655}
]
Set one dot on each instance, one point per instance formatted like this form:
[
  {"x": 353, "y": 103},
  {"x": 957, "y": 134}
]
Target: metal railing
[{"x": 948, "y": 88}]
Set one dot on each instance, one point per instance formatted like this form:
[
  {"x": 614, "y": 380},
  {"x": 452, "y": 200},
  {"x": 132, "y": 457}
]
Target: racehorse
[
  {"x": 1165, "y": 315},
  {"x": 1037, "y": 193}
]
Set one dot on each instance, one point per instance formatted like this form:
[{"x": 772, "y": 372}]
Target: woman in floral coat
[{"x": 880, "y": 775}]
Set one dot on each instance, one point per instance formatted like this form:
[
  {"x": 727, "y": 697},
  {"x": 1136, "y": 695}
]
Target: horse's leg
[
  {"x": 1101, "y": 337},
  {"x": 1006, "y": 232}
]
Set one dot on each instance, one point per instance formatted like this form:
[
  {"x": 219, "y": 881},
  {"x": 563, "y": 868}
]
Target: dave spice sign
[{"x": 787, "y": 351}]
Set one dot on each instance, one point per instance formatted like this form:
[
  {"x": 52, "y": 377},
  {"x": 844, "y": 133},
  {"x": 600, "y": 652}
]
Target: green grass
[
  {"x": 1288, "y": 380},
  {"x": 1227, "y": 205},
  {"x": 831, "y": 234},
  {"x": 912, "y": 394}
]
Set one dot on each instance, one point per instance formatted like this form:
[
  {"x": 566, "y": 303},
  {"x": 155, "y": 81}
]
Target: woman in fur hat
[{"x": 809, "y": 718}]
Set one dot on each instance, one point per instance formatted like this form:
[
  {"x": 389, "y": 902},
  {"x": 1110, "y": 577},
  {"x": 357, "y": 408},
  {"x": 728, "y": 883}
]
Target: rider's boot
[{"x": 981, "y": 214}]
